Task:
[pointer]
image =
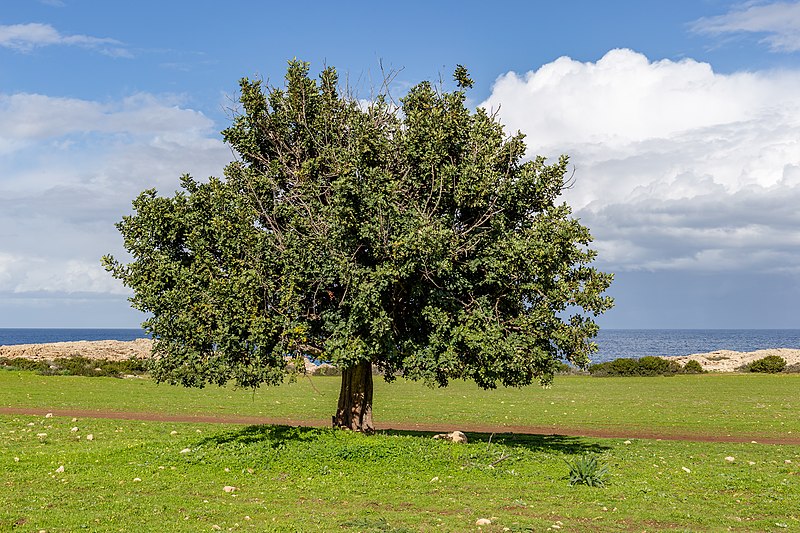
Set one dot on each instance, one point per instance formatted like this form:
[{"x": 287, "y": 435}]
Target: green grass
[
  {"x": 132, "y": 475},
  {"x": 752, "y": 405}
]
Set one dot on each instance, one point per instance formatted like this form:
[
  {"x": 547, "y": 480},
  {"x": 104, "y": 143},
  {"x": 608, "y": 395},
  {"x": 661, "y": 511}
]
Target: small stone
[
  {"x": 89, "y": 437},
  {"x": 751, "y": 463},
  {"x": 626, "y": 442},
  {"x": 686, "y": 470},
  {"x": 247, "y": 517},
  {"x": 229, "y": 488},
  {"x": 41, "y": 435},
  {"x": 730, "y": 459},
  {"x": 137, "y": 479},
  {"x": 31, "y": 424},
  {"x": 483, "y": 522},
  {"x": 555, "y": 526},
  {"x": 227, "y": 469},
  {"x": 455, "y": 436},
  {"x": 60, "y": 469},
  {"x": 74, "y": 429},
  {"x": 434, "y": 479},
  {"x": 173, "y": 432},
  {"x": 49, "y": 415},
  {"x": 186, "y": 450},
  {"x": 16, "y": 459},
  {"x": 74, "y": 419},
  {"x": 215, "y": 527},
  {"x": 788, "y": 461}
]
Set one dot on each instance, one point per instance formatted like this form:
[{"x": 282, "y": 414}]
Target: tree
[{"x": 414, "y": 240}]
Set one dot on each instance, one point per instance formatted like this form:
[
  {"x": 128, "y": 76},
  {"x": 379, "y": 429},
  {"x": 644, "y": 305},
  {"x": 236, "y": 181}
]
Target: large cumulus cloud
[{"x": 677, "y": 167}]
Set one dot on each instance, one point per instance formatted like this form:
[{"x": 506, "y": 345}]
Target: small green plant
[
  {"x": 692, "y": 367},
  {"x": 771, "y": 364},
  {"x": 587, "y": 470}
]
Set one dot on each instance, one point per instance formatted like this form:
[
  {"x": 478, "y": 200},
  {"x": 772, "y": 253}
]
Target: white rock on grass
[
  {"x": 60, "y": 469},
  {"x": 49, "y": 415},
  {"x": 186, "y": 450},
  {"x": 730, "y": 459},
  {"x": 89, "y": 437},
  {"x": 483, "y": 522},
  {"x": 455, "y": 436},
  {"x": 74, "y": 429},
  {"x": 229, "y": 488}
]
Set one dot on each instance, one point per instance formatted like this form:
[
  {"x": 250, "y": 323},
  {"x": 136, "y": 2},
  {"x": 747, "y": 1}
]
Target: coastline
[{"x": 716, "y": 361}]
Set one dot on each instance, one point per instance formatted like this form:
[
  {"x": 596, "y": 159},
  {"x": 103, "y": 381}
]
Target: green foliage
[
  {"x": 417, "y": 239},
  {"x": 771, "y": 364},
  {"x": 692, "y": 366},
  {"x": 587, "y": 470},
  {"x": 645, "y": 366},
  {"x": 76, "y": 366}
]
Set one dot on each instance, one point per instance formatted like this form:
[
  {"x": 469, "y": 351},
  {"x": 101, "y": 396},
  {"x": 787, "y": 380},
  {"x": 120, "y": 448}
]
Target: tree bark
[{"x": 355, "y": 399}]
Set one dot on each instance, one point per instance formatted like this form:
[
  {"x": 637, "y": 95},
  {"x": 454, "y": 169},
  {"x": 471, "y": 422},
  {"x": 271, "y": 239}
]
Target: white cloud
[
  {"x": 72, "y": 168},
  {"x": 26, "y": 37},
  {"x": 780, "y": 21},
  {"x": 677, "y": 167}
]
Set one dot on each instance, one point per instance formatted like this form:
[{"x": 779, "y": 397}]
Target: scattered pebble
[
  {"x": 74, "y": 429},
  {"x": 626, "y": 442},
  {"x": 49, "y": 415},
  {"x": 788, "y": 461},
  {"x": 247, "y": 517},
  {"x": 229, "y": 488},
  {"x": 31, "y": 424},
  {"x": 74, "y": 419},
  {"x": 186, "y": 450},
  {"x": 173, "y": 432},
  {"x": 137, "y": 479},
  {"x": 16, "y": 459},
  {"x": 730, "y": 459},
  {"x": 434, "y": 479},
  {"x": 215, "y": 527},
  {"x": 60, "y": 469},
  {"x": 41, "y": 435},
  {"x": 483, "y": 522},
  {"x": 89, "y": 437},
  {"x": 751, "y": 463},
  {"x": 686, "y": 470}
]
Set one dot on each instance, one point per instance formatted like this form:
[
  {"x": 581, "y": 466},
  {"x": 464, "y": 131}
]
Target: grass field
[{"x": 162, "y": 476}]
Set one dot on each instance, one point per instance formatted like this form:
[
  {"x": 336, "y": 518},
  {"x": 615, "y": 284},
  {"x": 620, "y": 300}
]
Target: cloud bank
[
  {"x": 72, "y": 168},
  {"x": 677, "y": 167}
]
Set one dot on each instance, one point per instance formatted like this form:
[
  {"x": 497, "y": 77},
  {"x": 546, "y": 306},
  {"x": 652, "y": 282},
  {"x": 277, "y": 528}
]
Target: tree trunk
[{"x": 355, "y": 399}]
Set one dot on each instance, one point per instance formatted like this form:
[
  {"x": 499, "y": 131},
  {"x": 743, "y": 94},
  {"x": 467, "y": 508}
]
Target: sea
[{"x": 613, "y": 343}]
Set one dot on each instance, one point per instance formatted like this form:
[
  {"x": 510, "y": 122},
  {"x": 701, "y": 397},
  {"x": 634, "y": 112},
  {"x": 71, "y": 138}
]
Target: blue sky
[{"x": 682, "y": 120}]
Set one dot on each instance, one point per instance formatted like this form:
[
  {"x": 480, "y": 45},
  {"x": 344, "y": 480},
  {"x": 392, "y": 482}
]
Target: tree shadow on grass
[
  {"x": 564, "y": 444},
  {"x": 273, "y": 434},
  {"x": 277, "y": 435}
]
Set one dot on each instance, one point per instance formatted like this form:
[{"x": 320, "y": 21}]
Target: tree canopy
[{"x": 414, "y": 238}]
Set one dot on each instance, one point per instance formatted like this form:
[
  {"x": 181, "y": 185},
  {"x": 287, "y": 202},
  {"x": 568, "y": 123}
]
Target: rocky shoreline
[{"x": 718, "y": 361}]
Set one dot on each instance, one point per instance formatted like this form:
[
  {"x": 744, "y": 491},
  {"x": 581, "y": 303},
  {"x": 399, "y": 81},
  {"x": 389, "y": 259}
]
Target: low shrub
[
  {"x": 76, "y": 366},
  {"x": 692, "y": 367},
  {"x": 587, "y": 470},
  {"x": 771, "y": 364},
  {"x": 646, "y": 366}
]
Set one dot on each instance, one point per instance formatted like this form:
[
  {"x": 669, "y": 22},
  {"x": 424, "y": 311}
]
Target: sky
[{"x": 681, "y": 120}]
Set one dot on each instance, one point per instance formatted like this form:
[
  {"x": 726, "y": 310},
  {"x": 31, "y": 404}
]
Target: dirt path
[{"x": 434, "y": 428}]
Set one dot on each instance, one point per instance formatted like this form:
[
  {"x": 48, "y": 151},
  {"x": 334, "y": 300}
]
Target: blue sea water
[
  {"x": 613, "y": 343},
  {"x": 9, "y": 336},
  {"x": 635, "y": 343}
]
